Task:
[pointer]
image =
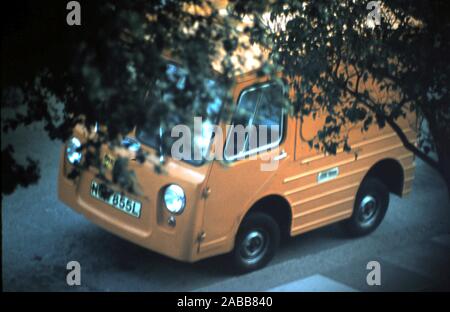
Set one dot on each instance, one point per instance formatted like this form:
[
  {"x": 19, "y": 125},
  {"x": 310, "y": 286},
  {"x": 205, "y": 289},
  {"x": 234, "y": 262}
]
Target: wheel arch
[
  {"x": 275, "y": 206},
  {"x": 390, "y": 172}
]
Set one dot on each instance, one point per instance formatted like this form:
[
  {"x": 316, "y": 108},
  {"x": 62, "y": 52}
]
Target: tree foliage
[
  {"x": 343, "y": 56},
  {"x": 111, "y": 69}
]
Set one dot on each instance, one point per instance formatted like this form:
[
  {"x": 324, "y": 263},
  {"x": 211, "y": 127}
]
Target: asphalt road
[{"x": 41, "y": 235}]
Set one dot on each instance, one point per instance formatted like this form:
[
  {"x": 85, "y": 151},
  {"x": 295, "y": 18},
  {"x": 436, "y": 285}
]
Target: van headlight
[
  {"x": 174, "y": 199},
  {"x": 72, "y": 151}
]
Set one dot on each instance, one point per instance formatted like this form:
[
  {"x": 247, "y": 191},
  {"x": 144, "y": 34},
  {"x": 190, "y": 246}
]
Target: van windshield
[{"x": 200, "y": 140}]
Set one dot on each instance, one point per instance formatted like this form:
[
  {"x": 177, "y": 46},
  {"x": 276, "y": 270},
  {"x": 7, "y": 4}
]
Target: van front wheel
[
  {"x": 371, "y": 204},
  {"x": 256, "y": 242}
]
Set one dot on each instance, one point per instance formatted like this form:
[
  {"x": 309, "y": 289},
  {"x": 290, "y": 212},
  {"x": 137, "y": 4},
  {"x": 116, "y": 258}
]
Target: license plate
[{"x": 115, "y": 199}]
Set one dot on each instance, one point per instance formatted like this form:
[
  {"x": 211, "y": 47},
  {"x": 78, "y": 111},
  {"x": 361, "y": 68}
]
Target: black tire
[
  {"x": 256, "y": 227},
  {"x": 371, "y": 203}
]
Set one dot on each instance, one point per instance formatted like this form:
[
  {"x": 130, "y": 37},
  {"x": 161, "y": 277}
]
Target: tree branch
[{"x": 397, "y": 129}]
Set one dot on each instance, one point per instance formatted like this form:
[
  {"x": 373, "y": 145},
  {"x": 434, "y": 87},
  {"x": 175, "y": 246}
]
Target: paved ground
[{"x": 40, "y": 235}]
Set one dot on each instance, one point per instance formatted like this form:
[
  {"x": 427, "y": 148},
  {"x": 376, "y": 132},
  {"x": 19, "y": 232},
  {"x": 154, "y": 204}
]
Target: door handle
[{"x": 282, "y": 155}]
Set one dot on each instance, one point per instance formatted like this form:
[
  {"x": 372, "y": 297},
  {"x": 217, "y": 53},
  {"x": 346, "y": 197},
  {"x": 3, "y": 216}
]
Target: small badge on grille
[{"x": 108, "y": 162}]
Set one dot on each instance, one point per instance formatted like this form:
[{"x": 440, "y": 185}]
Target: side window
[
  {"x": 257, "y": 122},
  {"x": 268, "y": 117}
]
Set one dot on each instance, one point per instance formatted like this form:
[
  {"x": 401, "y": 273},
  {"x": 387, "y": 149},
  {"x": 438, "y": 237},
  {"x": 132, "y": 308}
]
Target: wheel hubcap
[
  {"x": 253, "y": 246},
  {"x": 368, "y": 209}
]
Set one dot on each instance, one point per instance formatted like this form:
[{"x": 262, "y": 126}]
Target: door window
[{"x": 257, "y": 122}]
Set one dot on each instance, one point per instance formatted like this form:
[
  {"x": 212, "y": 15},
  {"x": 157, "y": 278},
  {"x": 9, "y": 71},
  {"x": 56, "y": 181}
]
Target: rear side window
[{"x": 257, "y": 121}]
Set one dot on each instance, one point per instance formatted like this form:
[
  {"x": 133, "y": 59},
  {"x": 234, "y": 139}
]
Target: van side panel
[{"x": 323, "y": 189}]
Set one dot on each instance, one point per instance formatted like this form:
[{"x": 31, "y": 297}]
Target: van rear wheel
[
  {"x": 256, "y": 242},
  {"x": 370, "y": 207}
]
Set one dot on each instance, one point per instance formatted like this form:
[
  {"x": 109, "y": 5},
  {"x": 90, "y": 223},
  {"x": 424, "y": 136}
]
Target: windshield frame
[{"x": 204, "y": 158}]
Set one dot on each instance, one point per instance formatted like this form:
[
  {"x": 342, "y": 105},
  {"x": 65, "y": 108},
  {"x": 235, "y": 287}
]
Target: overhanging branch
[{"x": 397, "y": 129}]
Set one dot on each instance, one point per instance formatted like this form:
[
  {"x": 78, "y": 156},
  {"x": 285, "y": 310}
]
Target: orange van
[{"x": 232, "y": 206}]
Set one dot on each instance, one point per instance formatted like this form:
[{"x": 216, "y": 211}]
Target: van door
[{"x": 251, "y": 159}]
